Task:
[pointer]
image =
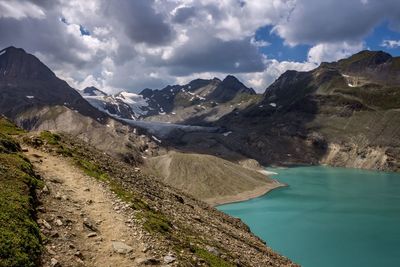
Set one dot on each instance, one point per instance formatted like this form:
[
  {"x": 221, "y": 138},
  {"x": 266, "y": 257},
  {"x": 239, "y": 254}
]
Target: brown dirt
[{"x": 74, "y": 198}]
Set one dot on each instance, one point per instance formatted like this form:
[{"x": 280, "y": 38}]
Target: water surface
[{"x": 329, "y": 217}]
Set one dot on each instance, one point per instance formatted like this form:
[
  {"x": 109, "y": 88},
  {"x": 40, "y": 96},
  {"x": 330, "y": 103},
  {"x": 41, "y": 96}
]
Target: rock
[
  {"x": 78, "y": 254},
  {"x": 54, "y": 234},
  {"x": 93, "y": 234},
  {"x": 86, "y": 189},
  {"x": 54, "y": 263},
  {"x": 89, "y": 224},
  {"x": 121, "y": 248},
  {"x": 213, "y": 250},
  {"x": 51, "y": 252},
  {"x": 169, "y": 259},
  {"x": 58, "y": 222},
  {"x": 56, "y": 180},
  {"x": 145, "y": 249},
  {"x": 147, "y": 261},
  {"x": 46, "y": 224},
  {"x": 45, "y": 189},
  {"x": 41, "y": 209}
]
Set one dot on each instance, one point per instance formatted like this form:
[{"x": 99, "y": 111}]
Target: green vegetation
[
  {"x": 153, "y": 221},
  {"x": 385, "y": 98},
  {"x": 20, "y": 243},
  {"x": 91, "y": 169},
  {"x": 9, "y": 128},
  {"x": 156, "y": 222},
  {"x": 8, "y": 145},
  {"x": 50, "y": 138},
  {"x": 363, "y": 55},
  {"x": 211, "y": 259}
]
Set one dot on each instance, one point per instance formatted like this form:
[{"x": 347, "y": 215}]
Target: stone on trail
[
  {"x": 121, "y": 248},
  {"x": 54, "y": 263},
  {"x": 93, "y": 234},
  {"x": 169, "y": 259}
]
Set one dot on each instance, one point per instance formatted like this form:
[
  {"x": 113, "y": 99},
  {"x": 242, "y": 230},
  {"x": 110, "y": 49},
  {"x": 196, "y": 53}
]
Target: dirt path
[{"x": 83, "y": 220}]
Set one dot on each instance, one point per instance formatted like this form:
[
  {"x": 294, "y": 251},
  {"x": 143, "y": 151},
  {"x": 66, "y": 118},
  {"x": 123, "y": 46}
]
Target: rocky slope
[
  {"x": 176, "y": 229},
  {"x": 25, "y": 83},
  {"x": 344, "y": 113},
  {"x": 33, "y": 96},
  {"x": 199, "y": 101},
  {"x": 126, "y": 139},
  {"x": 65, "y": 203}
]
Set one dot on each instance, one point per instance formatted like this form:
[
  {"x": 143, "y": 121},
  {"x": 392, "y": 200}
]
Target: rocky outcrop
[{"x": 344, "y": 113}]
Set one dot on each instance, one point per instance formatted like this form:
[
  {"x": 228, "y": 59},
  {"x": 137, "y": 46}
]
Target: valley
[{"x": 146, "y": 169}]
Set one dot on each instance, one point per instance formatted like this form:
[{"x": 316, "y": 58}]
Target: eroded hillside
[{"x": 82, "y": 187}]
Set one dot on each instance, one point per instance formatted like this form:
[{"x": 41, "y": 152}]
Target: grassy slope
[
  {"x": 19, "y": 234},
  {"x": 155, "y": 222},
  {"x": 205, "y": 176}
]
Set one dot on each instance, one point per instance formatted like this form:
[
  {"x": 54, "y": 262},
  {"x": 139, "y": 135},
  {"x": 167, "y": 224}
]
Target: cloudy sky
[{"x": 134, "y": 44}]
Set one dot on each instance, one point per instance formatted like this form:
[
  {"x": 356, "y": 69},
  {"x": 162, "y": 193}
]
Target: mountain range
[
  {"x": 209, "y": 138},
  {"x": 174, "y": 103}
]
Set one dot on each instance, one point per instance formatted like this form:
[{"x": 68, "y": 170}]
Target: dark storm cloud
[
  {"x": 183, "y": 14},
  {"x": 43, "y": 36},
  {"x": 140, "y": 21},
  {"x": 201, "y": 54}
]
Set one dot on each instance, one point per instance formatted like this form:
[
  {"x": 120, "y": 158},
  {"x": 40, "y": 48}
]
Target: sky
[{"x": 135, "y": 44}]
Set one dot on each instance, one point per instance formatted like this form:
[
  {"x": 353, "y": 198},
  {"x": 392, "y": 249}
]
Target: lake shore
[{"x": 246, "y": 195}]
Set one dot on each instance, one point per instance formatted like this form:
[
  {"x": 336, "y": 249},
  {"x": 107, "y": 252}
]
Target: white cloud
[
  {"x": 327, "y": 52},
  {"x": 20, "y": 10},
  {"x": 391, "y": 43},
  {"x": 261, "y": 80},
  {"x": 152, "y": 43}
]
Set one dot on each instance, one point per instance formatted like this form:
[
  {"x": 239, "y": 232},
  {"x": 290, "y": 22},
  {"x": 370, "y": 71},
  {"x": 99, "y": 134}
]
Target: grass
[
  {"x": 211, "y": 259},
  {"x": 153, "y": 221},
  {"x": 384, "y": 98},
  {"x": 50, "y": 138},
  {"x": 20, "y": 243},
  {"x": 91, "y": 169},
  {"x": 9, "y": 128},
  {"x": 8, "y": 144},
  {"x": 156, "y": 222}
]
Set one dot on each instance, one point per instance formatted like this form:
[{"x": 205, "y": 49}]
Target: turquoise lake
[{"x": 328, "y": 217}]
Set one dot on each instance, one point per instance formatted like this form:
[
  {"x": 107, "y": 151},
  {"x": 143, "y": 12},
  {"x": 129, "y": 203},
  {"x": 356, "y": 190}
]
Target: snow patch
[
  {"x": 272, "y": 105},
  {"x": 351, "y": 85},
  {"x": 30, "y": 96},
  {"x": 3, "y": 52},
  {"x": 156, "y": 139},
  {"x": 227, "y": 133}
]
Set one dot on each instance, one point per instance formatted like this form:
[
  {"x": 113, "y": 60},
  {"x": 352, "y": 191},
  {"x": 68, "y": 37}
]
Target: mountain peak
[
  {"x": 13, "y": 49},
  {"x": 93, "y": 91},
  {"x": 365, "y": 58},
  {"x": 15, "y": 63},
  {"x": 228, "y": 89},
  {"x": 230, "y": 78}
]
